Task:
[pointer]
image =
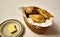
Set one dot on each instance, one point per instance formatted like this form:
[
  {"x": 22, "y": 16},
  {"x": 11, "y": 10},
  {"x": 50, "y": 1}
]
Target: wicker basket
[{"x": 36, "y": 29}]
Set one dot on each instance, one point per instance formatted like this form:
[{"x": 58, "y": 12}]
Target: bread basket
[{"x": 34, "y": 28}]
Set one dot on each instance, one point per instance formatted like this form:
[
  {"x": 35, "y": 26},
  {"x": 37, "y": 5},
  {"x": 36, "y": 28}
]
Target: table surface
[{"x": 9, "y": 9}]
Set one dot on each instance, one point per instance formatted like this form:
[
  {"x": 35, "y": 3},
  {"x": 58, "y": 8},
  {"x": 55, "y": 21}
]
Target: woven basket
[{"x": 36, "y": 29}]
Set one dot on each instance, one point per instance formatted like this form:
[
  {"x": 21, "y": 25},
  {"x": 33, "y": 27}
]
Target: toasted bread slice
[
  {"x": 41, "y": 12},
  {"x": 46, "y": 14}
]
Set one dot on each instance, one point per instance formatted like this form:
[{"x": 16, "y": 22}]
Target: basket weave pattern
[{"x": 36, "y": 29}]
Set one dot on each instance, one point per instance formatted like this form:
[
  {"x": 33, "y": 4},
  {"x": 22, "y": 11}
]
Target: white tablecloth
[{"x": 9, "y": 9}]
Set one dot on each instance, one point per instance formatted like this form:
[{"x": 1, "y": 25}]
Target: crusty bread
[
  {"x": 37, "y": 18},
  {"x": 31, "y": 10}
]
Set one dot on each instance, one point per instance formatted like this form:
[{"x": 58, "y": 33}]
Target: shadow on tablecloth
[{"x": 52, "y": 30}]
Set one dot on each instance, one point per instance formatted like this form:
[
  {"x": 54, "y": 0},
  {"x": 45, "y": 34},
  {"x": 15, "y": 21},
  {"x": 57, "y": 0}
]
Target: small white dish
[{"x": 4, "y": 28}]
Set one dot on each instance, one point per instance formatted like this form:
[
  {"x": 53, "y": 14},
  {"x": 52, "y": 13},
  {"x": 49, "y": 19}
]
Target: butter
[{"x": 12, "y": 28}]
